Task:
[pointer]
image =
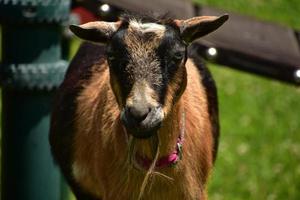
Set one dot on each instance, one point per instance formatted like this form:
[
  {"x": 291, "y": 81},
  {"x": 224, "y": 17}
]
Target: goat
[{"x": 138, "y": 118}]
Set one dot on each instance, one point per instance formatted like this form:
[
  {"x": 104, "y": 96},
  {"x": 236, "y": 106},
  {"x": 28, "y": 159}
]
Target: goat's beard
[
  {"x": 149, "y": 173},
  {"x": 135, "y": 147}
]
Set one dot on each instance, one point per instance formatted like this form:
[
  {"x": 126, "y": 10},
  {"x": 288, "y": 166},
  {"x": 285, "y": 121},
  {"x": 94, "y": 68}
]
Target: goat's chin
[{"x": 144, "y": 134}]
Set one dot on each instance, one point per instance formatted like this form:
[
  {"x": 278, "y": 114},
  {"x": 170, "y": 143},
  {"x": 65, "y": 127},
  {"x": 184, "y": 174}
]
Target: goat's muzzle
[{"x": 142, "y": 121}]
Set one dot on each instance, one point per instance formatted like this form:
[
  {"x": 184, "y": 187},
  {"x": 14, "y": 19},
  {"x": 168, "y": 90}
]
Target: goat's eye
[
  {"x": 178, "y": 56},
  {"x": 111, "y": 58}
]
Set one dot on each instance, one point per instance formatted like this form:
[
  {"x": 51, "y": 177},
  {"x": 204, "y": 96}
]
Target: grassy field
[
  {"x": 285, "y": 12},
  {"x": 259, "y": 156}
]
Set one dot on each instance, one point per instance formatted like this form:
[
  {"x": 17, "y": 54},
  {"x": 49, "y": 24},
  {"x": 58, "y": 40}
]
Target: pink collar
[{"x": 169, "y": 160}]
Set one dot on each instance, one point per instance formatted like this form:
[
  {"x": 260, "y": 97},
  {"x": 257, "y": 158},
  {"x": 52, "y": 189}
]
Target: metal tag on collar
[
  {"x": 179, "y": 149},
  {"x": 179, "y": 152}
]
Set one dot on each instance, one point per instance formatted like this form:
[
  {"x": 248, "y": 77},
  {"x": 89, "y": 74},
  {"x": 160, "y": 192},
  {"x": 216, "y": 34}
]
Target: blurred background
[{"x": 259, "y": 153}]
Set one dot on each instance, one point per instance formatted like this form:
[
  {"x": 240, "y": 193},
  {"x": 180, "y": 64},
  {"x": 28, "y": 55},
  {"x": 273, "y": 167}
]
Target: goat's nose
[{"x": 138, "y": 112}]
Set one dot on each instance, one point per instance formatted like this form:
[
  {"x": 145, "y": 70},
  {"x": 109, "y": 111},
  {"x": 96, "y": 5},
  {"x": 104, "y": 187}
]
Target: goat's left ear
[
  {"x": 98, "y": 31},
  {"x": 197, "y": 27}
]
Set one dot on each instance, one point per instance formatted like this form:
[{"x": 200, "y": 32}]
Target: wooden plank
[
  {"x": 176, "y": 8},
  {"x": 255, "y": 46}
]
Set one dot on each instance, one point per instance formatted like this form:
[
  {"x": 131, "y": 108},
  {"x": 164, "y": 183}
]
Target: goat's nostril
[{"x": 138, "y": 113}]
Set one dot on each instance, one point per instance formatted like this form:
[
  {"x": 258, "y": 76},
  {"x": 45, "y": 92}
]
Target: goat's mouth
[{"x": 145, "y": 127}]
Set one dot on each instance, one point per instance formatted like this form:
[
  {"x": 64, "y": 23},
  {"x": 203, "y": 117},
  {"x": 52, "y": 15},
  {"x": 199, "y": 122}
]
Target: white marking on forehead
[{"x": 147, "y": 27}]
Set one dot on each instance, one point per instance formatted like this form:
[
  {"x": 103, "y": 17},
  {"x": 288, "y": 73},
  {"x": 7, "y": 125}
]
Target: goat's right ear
[{"x": 98, "y": 31}]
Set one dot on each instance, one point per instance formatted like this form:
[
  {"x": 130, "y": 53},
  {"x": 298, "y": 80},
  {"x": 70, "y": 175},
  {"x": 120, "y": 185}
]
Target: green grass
[
  {"x": 285, "y": 12},
  {"x": 259, "y": 155}
]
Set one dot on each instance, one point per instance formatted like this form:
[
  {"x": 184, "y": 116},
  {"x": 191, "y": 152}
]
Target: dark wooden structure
[
  {"x": 243, "y": 43},
  {"x": 254, "y": 46},
  {"x": 182, "y": 9}
]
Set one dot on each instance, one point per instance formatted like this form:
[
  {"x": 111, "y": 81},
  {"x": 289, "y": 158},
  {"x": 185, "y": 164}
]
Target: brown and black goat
[{"x": 138, "y": 117}]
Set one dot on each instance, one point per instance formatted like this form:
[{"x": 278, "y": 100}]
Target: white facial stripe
[{"x": 147, "y": 27}]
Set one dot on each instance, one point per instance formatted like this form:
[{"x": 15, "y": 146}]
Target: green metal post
[{"x": 32, "y": 68}]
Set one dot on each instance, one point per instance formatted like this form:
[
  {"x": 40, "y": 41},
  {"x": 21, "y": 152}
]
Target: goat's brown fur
[
  {"x": 99, "y": 138},
  {"x": 92, "y": 146}
]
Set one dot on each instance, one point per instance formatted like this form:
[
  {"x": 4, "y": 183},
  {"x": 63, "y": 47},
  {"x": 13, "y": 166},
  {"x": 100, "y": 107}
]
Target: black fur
[
  {"x": 62, "y": 119},
  {"x": 118, "y": 58},
  {"x": 147, "y": 18},
  {"x": 171, "y": 52},
  {"x": 211, "y": 92}
]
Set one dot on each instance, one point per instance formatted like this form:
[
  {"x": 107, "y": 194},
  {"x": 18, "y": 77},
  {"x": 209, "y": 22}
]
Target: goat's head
[{"x": 147, "y": 64}]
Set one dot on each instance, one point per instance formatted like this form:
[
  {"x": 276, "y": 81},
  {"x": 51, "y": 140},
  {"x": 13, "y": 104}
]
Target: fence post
[{"x": 32, "y": 67}]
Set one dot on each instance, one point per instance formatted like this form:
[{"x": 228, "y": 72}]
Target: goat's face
[
  {"x": 144, "y": 59},
  {"x": 147, "y": 65}
]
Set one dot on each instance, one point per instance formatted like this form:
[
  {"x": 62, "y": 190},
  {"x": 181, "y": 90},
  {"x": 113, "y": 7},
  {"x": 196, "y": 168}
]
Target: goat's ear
[
  {"x": 98, "y": 32},
  {"x": 197, "y": 27}
]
